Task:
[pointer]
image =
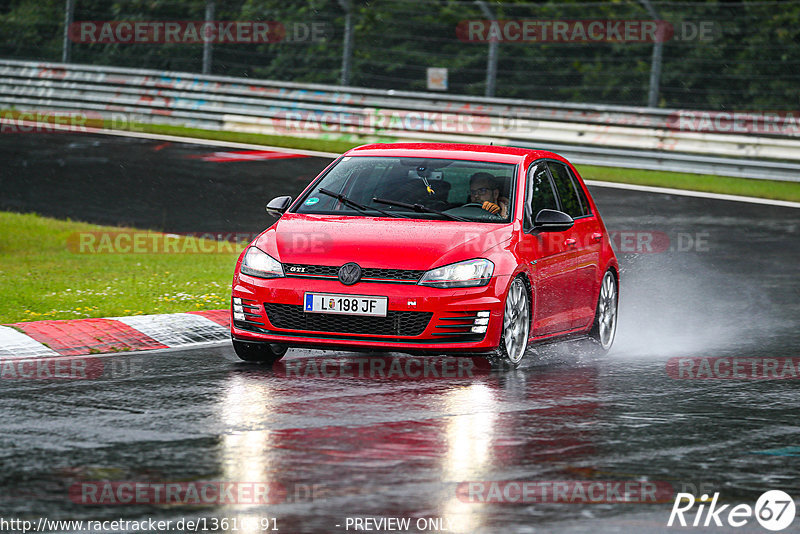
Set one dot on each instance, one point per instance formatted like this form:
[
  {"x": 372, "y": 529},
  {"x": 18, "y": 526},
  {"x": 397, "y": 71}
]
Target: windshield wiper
[
  {"x": 419, "y": 208},
  {"x": 360, "y": 207}
]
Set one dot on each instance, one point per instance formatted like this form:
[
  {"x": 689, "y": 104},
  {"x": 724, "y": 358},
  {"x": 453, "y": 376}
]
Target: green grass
[
  {"x": 46, "y": 277},
  {"x": 321, "y": 145},
  {"x": 696, "y": 182}
]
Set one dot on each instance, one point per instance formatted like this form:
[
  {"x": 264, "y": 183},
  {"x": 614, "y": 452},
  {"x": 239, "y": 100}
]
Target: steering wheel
[
  {"x": 479, "y": 205},
  {"x": 437, "y": 205}
]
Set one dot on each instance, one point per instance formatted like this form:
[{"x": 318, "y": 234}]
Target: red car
[{"x": 429, "y": 248}]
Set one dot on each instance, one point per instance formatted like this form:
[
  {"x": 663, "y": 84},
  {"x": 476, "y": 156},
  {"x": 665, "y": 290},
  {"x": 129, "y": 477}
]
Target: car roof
[{"x": 493, "y": 153}]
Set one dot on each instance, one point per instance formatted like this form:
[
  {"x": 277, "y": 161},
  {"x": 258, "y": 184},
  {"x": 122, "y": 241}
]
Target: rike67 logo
[{"x": 774, "y": 510}]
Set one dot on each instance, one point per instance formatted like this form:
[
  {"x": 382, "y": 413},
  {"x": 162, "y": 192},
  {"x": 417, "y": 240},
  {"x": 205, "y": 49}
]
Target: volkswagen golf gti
[{"x": 429, "y": 248}]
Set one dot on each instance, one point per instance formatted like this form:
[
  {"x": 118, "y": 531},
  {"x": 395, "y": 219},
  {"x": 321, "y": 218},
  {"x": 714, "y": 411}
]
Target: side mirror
[
  {"x": 278, "y": 205},
  {"x": 552, "y": 221}
]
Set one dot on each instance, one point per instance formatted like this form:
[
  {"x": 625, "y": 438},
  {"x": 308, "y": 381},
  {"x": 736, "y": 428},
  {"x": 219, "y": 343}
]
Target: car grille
[
  {"x": 367, "y": 274},
  {"x": 396, "y": 323}
]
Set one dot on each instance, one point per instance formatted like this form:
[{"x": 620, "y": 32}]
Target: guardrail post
[
  {"x": 66, "y": 49},
  {"x": 347, "y": 52},
  {"x": 207, "y": 46},
  {"x": 655, "y": 64},
  {"x": 491, "y": 61}
]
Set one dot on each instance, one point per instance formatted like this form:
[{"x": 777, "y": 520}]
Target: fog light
[
  {"x": 239, "y": 316},
  {"x": 237, "y": 300},
  {"x": 478, "y": 329},
  {"x": 238, "y": 308},
  {"x": 483, "y": 314},
  {"x": 482, "y": 320}
]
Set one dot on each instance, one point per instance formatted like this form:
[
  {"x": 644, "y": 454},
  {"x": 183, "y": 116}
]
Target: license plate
[{"x": 345, "y": 304}]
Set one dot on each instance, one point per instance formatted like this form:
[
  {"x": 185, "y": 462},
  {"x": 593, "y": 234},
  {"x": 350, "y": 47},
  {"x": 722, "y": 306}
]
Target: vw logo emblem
[{"x": 349, "y": 273}]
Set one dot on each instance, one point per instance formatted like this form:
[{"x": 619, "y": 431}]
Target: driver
[{"x": 483, "y": 190}]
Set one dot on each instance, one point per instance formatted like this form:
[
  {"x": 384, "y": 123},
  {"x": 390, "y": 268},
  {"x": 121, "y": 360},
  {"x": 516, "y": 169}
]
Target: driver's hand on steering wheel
[{"x": 491, "y": 207}]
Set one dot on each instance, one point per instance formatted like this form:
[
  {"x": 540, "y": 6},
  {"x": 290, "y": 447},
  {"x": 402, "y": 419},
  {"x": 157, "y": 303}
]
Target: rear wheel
[
  {"x": 604, "y": 328},
  {"x": 259, "y": 352},
  {"x": 516, "y": 325}
]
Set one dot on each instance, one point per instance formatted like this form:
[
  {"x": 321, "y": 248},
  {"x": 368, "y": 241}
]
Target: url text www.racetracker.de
[{"x": 249, "y": 523}]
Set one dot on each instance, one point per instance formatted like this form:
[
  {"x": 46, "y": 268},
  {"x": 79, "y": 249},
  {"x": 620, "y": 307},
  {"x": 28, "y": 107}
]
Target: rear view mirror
[
  {"x": 552, "y": 221},
  {"x": 278, "y": 205}
]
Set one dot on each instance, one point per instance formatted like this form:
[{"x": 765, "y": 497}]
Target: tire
[
  {"x": 259, "y": 352},
  {"x": 516, "y": 325},
  {"x": 604, "y": 328}
]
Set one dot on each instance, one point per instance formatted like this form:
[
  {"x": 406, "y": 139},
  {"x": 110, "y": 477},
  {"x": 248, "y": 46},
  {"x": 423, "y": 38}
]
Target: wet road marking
[
  {"x": 245, "y": 155},
  {"x": 698, "y": 194}
]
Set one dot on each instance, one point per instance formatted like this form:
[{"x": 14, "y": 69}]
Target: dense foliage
[{"x": 751, "y": 62}]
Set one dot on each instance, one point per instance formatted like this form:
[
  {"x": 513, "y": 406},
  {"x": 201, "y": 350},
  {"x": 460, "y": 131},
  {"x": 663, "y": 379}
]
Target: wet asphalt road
[
  {"x": 354, "y": 447},
  {"x": 141, "y": 183}
]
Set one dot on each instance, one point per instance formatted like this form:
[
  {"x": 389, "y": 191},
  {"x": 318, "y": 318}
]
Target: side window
[
  {"x": 566, "y": 191},
  {"x": 539, "y": 192},
  {"x": 587, "y": 210}
]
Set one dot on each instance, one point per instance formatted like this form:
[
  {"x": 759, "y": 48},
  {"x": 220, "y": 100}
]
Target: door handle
[
  {"x": 570, "y": 242},
  {"x": 597, "y": 236}
]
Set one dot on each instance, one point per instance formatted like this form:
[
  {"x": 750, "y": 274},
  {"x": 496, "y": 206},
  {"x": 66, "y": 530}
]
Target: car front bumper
[{"x": 420, "y": 319}]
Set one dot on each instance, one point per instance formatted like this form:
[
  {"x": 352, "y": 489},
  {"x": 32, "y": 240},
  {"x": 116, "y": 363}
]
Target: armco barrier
[{"x": 593, "y": 134}]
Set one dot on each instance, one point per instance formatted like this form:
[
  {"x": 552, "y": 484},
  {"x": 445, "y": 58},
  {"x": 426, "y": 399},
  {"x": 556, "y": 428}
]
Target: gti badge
[{"x": 349, "y": 273}]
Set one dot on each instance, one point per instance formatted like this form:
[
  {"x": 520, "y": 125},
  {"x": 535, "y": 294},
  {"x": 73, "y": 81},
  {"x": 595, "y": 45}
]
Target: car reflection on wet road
[{"x": 338, "y": 447}]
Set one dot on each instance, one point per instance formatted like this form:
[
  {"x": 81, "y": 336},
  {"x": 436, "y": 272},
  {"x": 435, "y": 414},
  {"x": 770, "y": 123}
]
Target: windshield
[{"x": 463, "y": 189}]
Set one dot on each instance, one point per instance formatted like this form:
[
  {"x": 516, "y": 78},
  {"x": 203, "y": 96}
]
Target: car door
[
  {"x": 584, "y": 240},
  {"x": 548, "y": 257}
]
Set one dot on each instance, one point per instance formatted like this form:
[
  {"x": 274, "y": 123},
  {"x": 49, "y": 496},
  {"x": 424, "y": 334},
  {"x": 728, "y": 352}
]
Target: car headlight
[
  {"x": 258, "y": 263},
  {"x": 470, "y": 273}
]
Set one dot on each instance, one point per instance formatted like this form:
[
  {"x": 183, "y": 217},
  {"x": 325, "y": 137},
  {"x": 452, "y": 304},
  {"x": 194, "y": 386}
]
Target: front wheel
[
  {"x": 259, "y": 352},
  {"x": 516, "y": 325},
  {"x": 604, "y": 328}
]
